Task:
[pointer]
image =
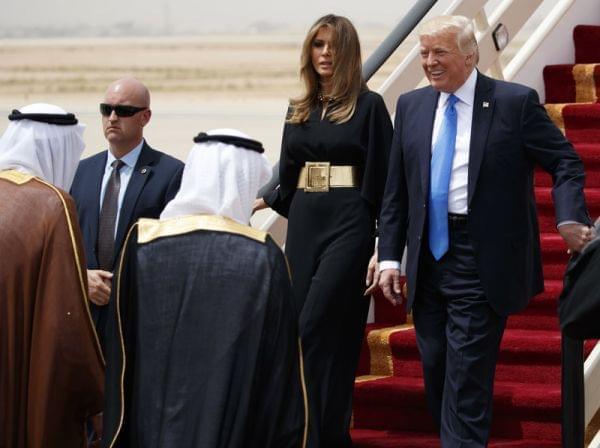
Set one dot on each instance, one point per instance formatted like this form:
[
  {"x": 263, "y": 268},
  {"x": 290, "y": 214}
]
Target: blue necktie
[{"x": 439, "y": 181}]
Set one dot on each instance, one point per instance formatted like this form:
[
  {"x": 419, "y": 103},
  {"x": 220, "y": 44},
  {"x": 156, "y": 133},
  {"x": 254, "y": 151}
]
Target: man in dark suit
[
  {"x": 459, "y": 193},
  {"x": 114, "y": 188}
]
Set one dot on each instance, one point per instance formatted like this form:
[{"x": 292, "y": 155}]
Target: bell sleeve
[
  {"x": 280, "y": 199},
  {"x": 378, "y": 142}
]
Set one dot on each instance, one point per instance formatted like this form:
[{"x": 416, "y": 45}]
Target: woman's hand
[
  {"x": 372, "y": 280},
  {"x": 259, "y": 204}
]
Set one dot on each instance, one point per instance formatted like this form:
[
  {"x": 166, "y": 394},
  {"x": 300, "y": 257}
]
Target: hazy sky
[
  {"x": 160, "y": 16},
  {"x": 70, "y": 18}
]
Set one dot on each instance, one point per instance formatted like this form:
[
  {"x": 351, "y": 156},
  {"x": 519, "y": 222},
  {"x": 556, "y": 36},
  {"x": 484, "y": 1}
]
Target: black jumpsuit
[{"x": 329, "y": 242}]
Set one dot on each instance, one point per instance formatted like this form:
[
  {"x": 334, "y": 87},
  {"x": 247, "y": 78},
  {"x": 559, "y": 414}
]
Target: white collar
[
  {"x": 129, "y": 159},
  {"x": 465, "y": 93}
]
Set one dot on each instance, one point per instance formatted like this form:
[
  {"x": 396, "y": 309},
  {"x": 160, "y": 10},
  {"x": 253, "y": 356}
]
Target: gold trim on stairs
[
  {"x": 365, "y": 378},
  {"x": 380, "y": 350},
  {"x": 555, "y": 113},
  {"x": 381, "y": 355},
  {"x": 585, "y": 85}
]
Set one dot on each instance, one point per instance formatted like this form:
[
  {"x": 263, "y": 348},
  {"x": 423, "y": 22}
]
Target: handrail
[
  {"x": 374, "y": 62},
  {"x": 400, "y": 32},
  {"x": 536, "y": 38}
]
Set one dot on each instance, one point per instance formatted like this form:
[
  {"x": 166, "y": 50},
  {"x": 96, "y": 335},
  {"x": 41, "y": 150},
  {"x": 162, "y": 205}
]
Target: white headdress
[
  {"x": 43, "y": 140},
  {"x": 222, "y": 177}
]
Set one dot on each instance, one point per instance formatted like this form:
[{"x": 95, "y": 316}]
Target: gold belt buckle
[{"x": 317, "y": 177}]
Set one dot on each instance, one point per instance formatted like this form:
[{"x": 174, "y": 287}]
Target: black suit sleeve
[
  {"x": 393, "y": 219},
  {"x": 547, "y": 146},
  {"x": 174, "y": 185}
]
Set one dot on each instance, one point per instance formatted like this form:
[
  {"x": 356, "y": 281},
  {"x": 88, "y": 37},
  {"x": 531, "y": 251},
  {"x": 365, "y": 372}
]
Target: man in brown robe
[{"x": 51, "y": 366}]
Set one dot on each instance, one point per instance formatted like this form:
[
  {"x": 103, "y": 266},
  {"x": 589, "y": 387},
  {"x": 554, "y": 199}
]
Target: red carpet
[
  {"x": 389, "y": 402},
  {"x": 586, "y": 39}
]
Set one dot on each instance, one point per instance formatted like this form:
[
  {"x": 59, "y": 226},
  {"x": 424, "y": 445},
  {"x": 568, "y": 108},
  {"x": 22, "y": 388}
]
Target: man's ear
[
  {"x": 470, "y": 60},
  {"x": 146, "y": 117}
]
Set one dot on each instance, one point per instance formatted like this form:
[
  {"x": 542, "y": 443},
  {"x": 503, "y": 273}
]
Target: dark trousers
[
  {"x": 100, "y": 317},
  {"x": 328, "y": 245},
  {"x": 572, "y": 396},
  {"x": 458, "y": 335}
]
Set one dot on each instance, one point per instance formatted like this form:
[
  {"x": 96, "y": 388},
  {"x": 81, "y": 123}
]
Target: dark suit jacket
[
  {"x": 510, "y": 133},
  {"x": 154, "y": 182},
  {"x": 579, "y": 302}
]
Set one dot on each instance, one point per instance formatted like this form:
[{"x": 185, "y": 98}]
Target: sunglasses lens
[
  {"x": 105, "y": 109},
  {"x": 125, "y": 111},
  {"x": 120, "y": 110}
]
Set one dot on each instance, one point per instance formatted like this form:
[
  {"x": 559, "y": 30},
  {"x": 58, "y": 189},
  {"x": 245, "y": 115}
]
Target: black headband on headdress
[
  {"x": 58, "y": 119},
  {"x": 240, "y": 142}
]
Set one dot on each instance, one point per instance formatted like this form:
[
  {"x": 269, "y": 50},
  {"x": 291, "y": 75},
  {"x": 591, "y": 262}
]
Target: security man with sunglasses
[{"x": 114, "y": 188}]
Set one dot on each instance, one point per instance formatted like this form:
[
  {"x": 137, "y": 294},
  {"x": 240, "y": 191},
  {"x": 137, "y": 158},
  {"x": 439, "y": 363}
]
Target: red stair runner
[{"x": 389, "y": 405}]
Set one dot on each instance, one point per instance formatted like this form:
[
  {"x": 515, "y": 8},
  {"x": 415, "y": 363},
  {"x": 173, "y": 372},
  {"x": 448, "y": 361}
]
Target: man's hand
[
  {"x": 99, "y": 284},
  {"x": 389, "y": 282},
  {"x": 576, "y": 236},
  {"x": 372, "y": 280}
]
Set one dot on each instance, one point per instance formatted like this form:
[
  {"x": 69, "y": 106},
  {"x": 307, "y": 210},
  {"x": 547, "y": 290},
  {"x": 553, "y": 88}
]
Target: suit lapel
[
  {"x": 96, "y": 173},
  {"x": 141, "y": 173},
  {"x": 483, "y": 108},
  {"x": 426, "y": 119}
]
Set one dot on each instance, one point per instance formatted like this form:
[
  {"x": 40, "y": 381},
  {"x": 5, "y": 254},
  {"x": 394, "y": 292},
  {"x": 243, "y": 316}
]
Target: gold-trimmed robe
[
  {"x": 51, "y": 366},
  {"x": 202, "y": 342}
]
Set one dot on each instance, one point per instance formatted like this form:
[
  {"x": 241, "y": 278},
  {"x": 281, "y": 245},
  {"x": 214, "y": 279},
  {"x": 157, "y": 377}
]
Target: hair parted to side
[
  {"x": 347, "y": 80},
  {"x": 459, "y": 25}
]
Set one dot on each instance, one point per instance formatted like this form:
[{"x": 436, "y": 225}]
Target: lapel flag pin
[{"x": 485, "y": 104}]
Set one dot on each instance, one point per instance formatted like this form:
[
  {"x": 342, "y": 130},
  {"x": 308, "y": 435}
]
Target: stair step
[
  {"x": 545, "y": 206},
  {"x": 541, "y": 313},
  {"x": 579, "y": 121},
  {"x": 521, "y": 410},
  {"x": 590, "y": 155},
  {"x": 586, "y": 38},
  {"x": 572, "y": 83},
  {"x": 546, "y": 301},
  {"x": 523, "y": 321},
  {"x": 582, "y": 122},
  {"x": 524, "y": 353},
  {"x": 520, "y": 352},
  {"x": 518, "y": 347},
  {"x": 385, "y": 312},
  {"x": 370, "y": 438},
  {"x": 554, "y": 248}
]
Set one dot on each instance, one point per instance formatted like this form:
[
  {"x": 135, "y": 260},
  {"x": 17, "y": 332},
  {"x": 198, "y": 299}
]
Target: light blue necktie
[{"x": 439, "y": 181}]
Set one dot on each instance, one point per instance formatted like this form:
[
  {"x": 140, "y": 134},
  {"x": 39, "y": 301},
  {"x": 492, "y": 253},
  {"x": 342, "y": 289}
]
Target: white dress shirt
[
  {"x": 458, "y": 191},
  {"x": 459, "y": 177},
  {"x": 126, "y": 171}
]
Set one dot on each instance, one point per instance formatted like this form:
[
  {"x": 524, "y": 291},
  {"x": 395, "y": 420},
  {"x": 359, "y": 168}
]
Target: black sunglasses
[{"x": 120, "y": 109}]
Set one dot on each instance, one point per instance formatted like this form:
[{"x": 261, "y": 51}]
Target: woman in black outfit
[{"x": 333, "y": 167}]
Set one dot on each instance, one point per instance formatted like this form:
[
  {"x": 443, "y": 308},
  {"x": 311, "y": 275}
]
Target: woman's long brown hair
[{"x": 347, "y": 80}]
